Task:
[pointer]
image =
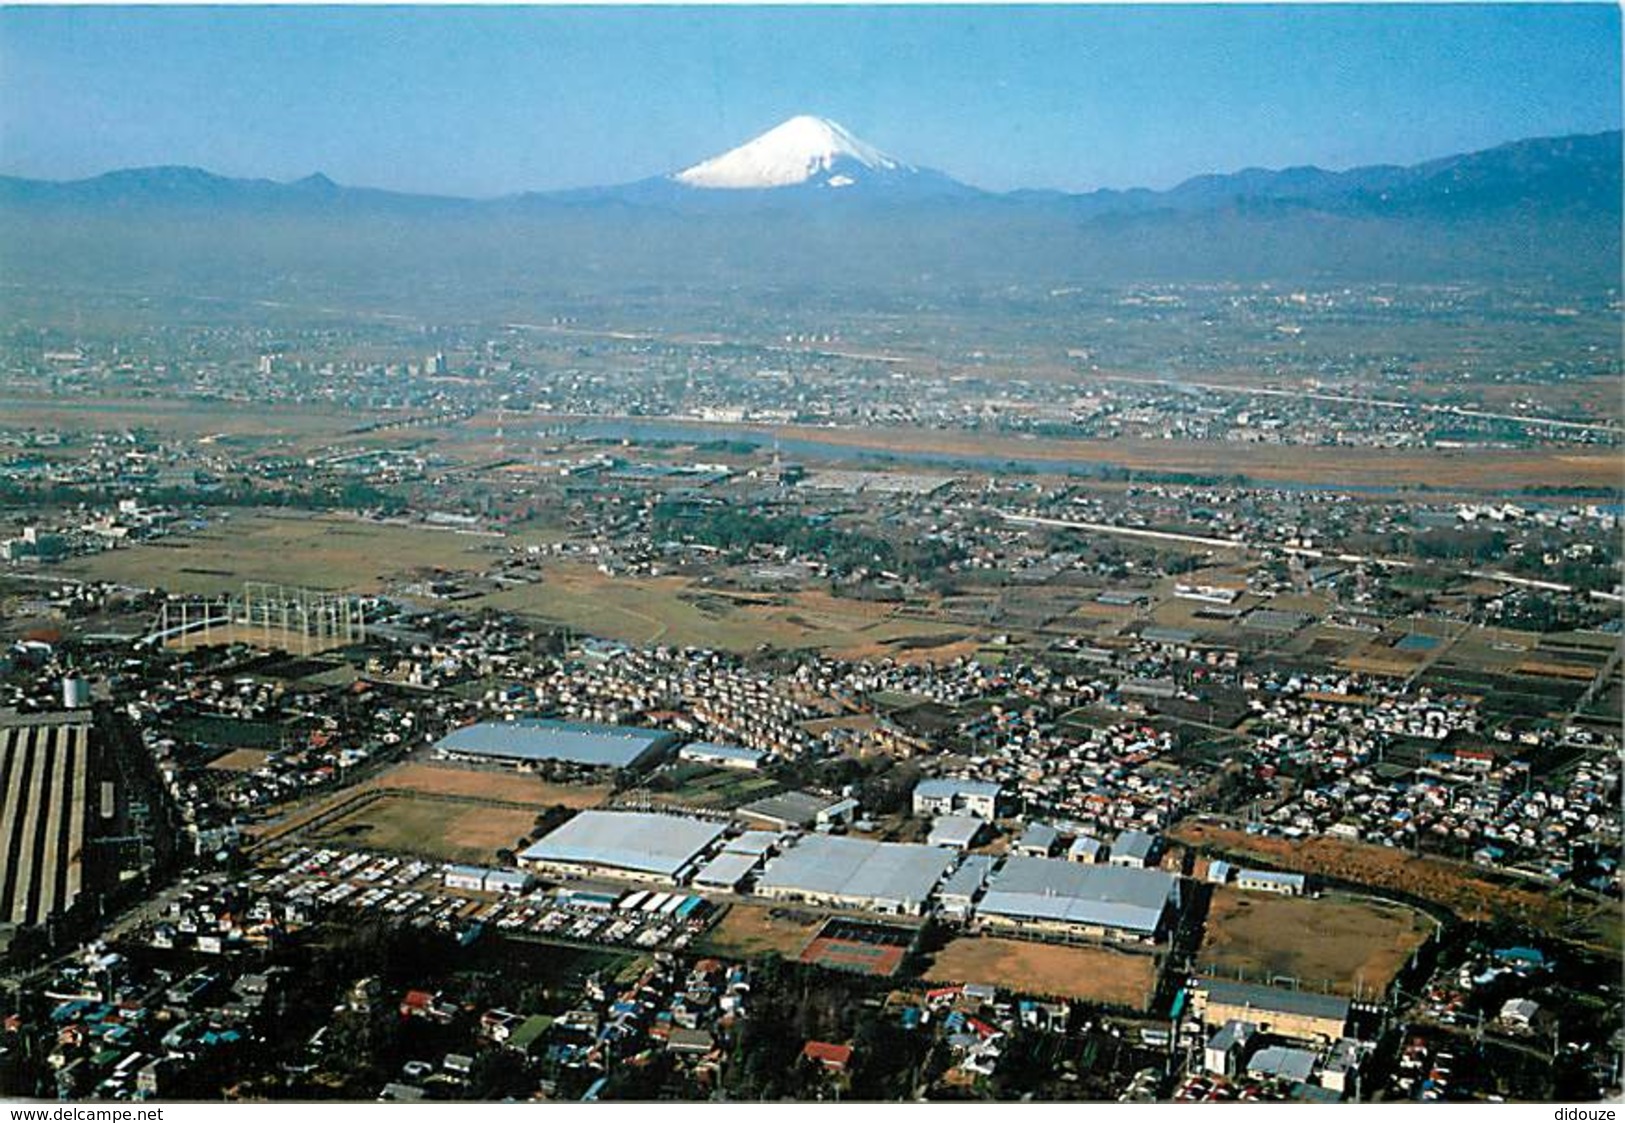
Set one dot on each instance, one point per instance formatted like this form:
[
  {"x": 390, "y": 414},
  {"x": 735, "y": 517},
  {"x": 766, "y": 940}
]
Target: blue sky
[{"x": 484, "y": 101}]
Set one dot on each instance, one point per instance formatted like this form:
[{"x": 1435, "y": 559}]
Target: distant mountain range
[{"x": 808, "y": 201}]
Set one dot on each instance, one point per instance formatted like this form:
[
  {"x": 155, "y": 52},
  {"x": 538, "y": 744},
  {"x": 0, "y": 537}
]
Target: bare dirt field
[
  {"x": 1093, "y": 974},
  {"x": 278, "y": 639},
  {"x": 449, "y": 830},
  {"x": 749, "y": 930},
  {"x": 1377, "y": 661},
  {"x": 511, "y": 787},
  {"x": 1354, "y": 945}
]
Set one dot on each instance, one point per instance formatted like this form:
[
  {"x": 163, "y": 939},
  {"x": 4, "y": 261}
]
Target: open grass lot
[
  {"x": 337, "y": 552},
  {"x": 1091, "y": 974},
  {"x": 751, "y": 930},
  {"x": 476, "y": 786},
  {"x": 1458, "y": 886},
  {"x": 444, "y": 829},
  {"x": 714, "y": 788},
  {"x": 1352, "y": 944}
]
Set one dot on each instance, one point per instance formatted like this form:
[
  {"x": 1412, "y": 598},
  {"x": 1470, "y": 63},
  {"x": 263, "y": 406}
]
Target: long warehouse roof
[
  {"x": 640, "y": 841},
  {"x": 1074, "y": 893},
  {"x": 857, "y": 868},
  {"x": 607, "y": 746},
  {"x": 1275, "y": 999}
]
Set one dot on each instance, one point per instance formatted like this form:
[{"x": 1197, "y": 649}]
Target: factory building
[
  {"x": 1223, "y": 1051},
  {"x": 1084, "y": 849},
  {"x": 50, "y": 780},
  {"x": 726, "y": 872},
  {"x": 1058, "y": 899},
  {"x": 788, "y": 810},
  {"x": 1268, "y": 881},
  {"x": 1039, "y": 840},
  {"x": 623, "y": 844},
  {"x": 1299, "y": 1015},
  {"x": 957, "y": 797},
  {"x": 957, "y": 832},
  {"x": 958, "y": 892},
  {"x": 721, "y": 756},
  {"x": 532, "y": 741},
  {"x": 757, "y": 843},
  {"x": 839, "y": 872},
  {"x": 481, "y": 879},
  {"x": 1134, "y": 850}
]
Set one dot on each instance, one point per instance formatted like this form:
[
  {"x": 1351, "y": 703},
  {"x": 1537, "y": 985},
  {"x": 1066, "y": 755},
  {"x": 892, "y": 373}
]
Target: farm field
[
  {"x": 1478, "y": 469},
  {"x": 750, "y": 930},
  {"x": 675, "y": 610},
  {"x": 1092, "y": 974},
  {"x": 450, "y": 830},
  {"x": 343, "y": 553},
  {"x": 1351, "y": 945},
  {"x": 189, "y": 416}
]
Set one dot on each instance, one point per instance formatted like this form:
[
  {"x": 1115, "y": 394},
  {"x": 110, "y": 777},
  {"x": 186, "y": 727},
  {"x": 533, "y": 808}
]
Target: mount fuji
[
  {"x": 802, "y": 158},
  {"x": 803, "y": 151},
  {"x": 809, "y": 203}
]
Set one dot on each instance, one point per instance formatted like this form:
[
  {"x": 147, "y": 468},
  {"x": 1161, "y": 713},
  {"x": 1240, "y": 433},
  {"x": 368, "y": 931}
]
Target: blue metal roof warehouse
[{"x": 533, "y": 739}]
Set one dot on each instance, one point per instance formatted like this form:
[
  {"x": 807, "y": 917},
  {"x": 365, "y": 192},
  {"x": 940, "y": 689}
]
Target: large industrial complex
[{"x": 1040, "y": 898}]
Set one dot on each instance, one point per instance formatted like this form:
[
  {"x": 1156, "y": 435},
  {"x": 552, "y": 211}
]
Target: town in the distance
[{"x": 1202, "y": 688}]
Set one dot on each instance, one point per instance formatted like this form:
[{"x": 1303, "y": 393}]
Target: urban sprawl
[{"x": 539, "y": 712}]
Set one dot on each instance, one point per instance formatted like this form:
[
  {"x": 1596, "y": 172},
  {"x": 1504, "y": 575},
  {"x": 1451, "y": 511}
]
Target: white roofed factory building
[
  {"x": 1053, "y": 898},
  {"x": 841, "y": 872},
  {"x": 637, "y": 845}
]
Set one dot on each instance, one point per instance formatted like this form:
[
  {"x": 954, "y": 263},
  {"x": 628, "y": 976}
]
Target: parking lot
[{"x": 413, "y": 892}]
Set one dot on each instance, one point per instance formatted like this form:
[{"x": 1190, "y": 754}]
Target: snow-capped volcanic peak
[{"x": 798, "y": 151}]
